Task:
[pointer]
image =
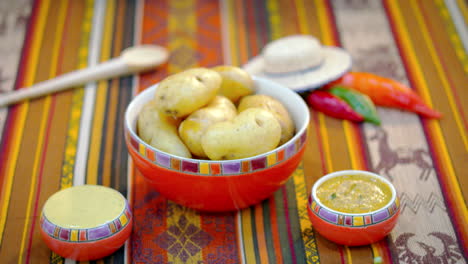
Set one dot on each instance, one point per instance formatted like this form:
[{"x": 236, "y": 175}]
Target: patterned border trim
[
  {"x": 353, "y": 221},
  {"x": 214, "y": 168},
  {"x": 87, "y": 234}
]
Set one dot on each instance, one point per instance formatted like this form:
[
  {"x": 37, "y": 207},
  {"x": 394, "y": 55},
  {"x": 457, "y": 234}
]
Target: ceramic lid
[{"x": 84, "y": 207}]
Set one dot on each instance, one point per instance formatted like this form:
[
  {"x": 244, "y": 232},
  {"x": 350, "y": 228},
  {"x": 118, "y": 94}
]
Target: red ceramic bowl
[
  {"x": 353, "y": 229},
  {"x": 86, "y": 222},
  {"x": 220, "y": 185}
]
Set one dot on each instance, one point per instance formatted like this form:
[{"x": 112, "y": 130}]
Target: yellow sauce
[
  {"x": 84, "y": 206},
  {"x": 354, "y": 193}
]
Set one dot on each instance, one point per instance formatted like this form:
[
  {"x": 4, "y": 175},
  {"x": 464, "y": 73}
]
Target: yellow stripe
[
  {"x": 375, "y": 250},
  {"x": 77, "y": 102},
  {"x": 43, "y": 125},
  {"x": 22, "y": 112},
  {"x": 101, "y": 96},
  {"x": 308, "y": 237},
  {"x": 301, "y": 17},
  {"x": 432, "y": 124},
  {"x": 452, "y": 31},
  {"x": 327, "y": 37},
  {"x": 351, "y": 142},
  {"x": 326, "y": 146},
  {"x": 349, "y": 258},
  {"x": 247, "y": 236},
  {"x": 440, "y": 72},
  {"x": 462, "y": 5},
  {"x": 274, "y": 19},
  {"x": 230, "y": 5}
]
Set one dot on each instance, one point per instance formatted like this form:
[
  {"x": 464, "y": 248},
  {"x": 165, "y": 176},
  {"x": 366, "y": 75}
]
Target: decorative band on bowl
[
  {"x": 216, "y": 168},
  {"x": 86, "y": 234},
  {"x": 347, "y": 220}
]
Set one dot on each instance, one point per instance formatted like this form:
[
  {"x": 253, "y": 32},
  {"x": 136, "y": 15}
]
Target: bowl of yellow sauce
[{"x": 353, "y": 207}]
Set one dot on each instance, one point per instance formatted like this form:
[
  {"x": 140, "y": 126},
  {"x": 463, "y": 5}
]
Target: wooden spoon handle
[
  {"x": 132, "y": 60},
  {"x": 108, "y": 69}
]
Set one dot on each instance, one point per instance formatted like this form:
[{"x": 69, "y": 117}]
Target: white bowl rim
[
  {"x": 352, "y": 172},
  {"x": 296, "y": 137}
]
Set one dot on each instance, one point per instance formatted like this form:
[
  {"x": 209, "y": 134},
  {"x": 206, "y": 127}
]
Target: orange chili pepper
[{"x": 386, "y": 92}]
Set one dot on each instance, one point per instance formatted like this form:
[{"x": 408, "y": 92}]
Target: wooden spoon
[{"x": 132, "y": 60}]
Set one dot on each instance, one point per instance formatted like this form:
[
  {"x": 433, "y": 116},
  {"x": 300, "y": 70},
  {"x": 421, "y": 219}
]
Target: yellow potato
[
  {"x": 236, "y": 82},
  {"x": 194, "y": 126},
  {"x": 276, "y": 108},
  {"x": 252, "y": 132},
  {"x": 160, "y": 131},
  {"x": 181, "y": 94}
]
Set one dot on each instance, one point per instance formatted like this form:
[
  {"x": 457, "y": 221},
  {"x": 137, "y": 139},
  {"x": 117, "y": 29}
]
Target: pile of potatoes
[{"x": 213, "y": 114}]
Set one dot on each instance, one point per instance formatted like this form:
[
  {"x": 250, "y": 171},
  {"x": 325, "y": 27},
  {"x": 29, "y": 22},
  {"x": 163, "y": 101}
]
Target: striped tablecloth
[{"x": 76, "y": 137}]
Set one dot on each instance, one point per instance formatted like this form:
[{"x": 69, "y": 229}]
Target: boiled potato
[
  {"x": 194, "y": 126},
  {"x": 181, "y": 94},
  {"x": 276, "y": 108},
  {"x": 252, "y": 132},
  {"x": 236, "y": 82},
  {"x": 160, "y": 131}
]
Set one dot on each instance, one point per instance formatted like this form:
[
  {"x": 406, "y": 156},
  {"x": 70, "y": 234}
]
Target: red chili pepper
[
  {"x": 386, "y": 92},
  {"x": 333, "y": 106}
]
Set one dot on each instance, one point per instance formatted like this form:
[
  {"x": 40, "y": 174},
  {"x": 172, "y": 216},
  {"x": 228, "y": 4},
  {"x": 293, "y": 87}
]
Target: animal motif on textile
[
  {"x": 441, "y": 248},
  {"x": 390, "y": 157}
]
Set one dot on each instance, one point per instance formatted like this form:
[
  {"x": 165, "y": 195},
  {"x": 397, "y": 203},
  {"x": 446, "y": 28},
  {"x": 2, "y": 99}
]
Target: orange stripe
[
  {"x": 440, "y": 72},
  {"x": 274, "y": 230},
  {"x": 262, "y": 247},
  {"x": 241, "y": 35}
]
